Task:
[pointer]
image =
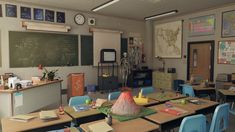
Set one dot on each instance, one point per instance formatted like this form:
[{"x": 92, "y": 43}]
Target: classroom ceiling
[{"x": 133, "y": 9}]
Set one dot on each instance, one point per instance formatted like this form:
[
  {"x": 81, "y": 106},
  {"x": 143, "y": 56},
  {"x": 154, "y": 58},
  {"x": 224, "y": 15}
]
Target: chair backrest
[
  {"x": 78, "y": 100},
  {"x": 147, "y": 90},
  {"x": 188, "y": 91},
  {"x": 113, "y": 95},
  {"x": 177, "y": 84},
  {"x": 195, "y": 123},
  {"x": 219, "y": 121}
]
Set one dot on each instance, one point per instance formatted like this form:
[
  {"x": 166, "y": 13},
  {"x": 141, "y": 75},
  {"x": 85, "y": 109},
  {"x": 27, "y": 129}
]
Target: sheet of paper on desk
[
  {"x": 80, "y": 108},
  {"x": 100, "y": 127},
  {"x": 18, "y": 98}
]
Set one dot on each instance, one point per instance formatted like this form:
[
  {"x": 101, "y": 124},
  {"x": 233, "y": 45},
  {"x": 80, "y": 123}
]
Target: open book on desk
[
  {"x": 22, "y": 118},
  {"x": 100, "y": 127}
]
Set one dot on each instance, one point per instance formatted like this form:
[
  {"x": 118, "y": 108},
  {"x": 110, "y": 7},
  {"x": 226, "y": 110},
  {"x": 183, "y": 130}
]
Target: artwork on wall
[
  {"x": 11, "y": 10},
  {"x": 25, "y": 12},
  {"x": 60, "y": 17},
  {"x": 168, "y": 40},
  {"x": 0, "y": 10},
  {"x": 228, "y": 22},
  {"x": 49, "y": 15},
  {"x": 203, "y": 25},
  {"x": 38, "y": 14},
  {"x": 226, "y": 52}
]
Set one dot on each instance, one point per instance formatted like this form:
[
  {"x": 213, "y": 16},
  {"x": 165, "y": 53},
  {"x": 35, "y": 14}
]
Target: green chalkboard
[
  {"x": 86, "y": 50},
  {"x": 29, "y": 49}
]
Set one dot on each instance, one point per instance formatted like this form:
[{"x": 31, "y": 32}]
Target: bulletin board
[{"x": 226, "y": 52}]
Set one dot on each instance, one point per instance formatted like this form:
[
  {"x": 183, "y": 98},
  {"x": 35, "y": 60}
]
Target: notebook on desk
[{"x": 100, "y": 127}]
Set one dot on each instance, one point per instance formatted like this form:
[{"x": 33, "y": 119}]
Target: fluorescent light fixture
[
  {"x": 104, "y": 5},
  {"x": 161, "y": 15},
  {"x": 45, "y": 27}
]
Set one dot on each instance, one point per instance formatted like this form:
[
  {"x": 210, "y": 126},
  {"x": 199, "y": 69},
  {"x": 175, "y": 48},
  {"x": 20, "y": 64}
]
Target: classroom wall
[
  {"x": 181, "y": 64},
  {"x": 129, "y": 27}
]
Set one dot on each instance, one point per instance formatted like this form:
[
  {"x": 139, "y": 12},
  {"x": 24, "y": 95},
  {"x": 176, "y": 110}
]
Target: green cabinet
[{"x": 163, "y": 80}]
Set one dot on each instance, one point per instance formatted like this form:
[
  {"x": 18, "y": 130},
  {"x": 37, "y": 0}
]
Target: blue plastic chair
[
  {"x": 147, "y": 90},
  {"x": 78, "y": 100},
  {"x": 195, "y": 123},
  {"x": 113, "y": 95},
  {"x": 188, "y": 90},
  {"x": 177, "y": 85},
  {"x": 220, "y": 118}
]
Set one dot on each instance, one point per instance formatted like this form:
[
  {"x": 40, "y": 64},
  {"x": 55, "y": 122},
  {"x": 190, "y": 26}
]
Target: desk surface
[
  {"x": 167, "y": 95},
  {"x": 227, "y": 92},
  {"x": 196, "y": 107},
  {"x": 200, "y": 88},
  {"x": 135, "y": 125},
  {"x": 12, "y": 126},
  {"x": 162, "y": 117},
  {"x": 69, "y": 110}
]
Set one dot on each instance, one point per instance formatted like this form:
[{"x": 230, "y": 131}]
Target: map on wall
[
  {"x": 168, "y": 40},
  {"x": 228, "y": 24},
  {"x": 226, "y": 52},
  {"x": 203, "y": 25}
]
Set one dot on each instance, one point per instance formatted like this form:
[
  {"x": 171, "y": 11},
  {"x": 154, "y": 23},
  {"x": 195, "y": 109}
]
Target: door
[{"x": 201, "y": 59}]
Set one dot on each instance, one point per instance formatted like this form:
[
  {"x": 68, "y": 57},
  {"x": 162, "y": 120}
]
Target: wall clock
[{"x": 79, "y": 19}]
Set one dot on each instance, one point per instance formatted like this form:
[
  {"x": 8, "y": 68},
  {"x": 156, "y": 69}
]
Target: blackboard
[
  {"x": 29, "y": 49},
  {"x": 87, "y": 49}
]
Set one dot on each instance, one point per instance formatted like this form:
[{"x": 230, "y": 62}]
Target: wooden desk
[
  {"x": 84, "y": 116},
  {"x": 135, "y": 125},
  {"x": 166, "y": 96},
  {"x": 227, "y": 95},
  {"x": 35, "y": 124},
  {"x": 164, "y": 120},
  {"x": 34, "y": 98},
  {"x": 228, "y": 84},
  {"x": 204, "y": 108}
]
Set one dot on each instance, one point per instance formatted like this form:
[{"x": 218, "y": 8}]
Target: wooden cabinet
[
  {"x": 163, "y": 80},
  {"x": 75, "y": 85}
]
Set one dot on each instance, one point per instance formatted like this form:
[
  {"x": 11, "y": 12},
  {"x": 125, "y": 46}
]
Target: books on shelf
[
  {"x": 46, "y": 115},
  {"x": 22, "y": 118},
  {"x": 100, "y": 127}
]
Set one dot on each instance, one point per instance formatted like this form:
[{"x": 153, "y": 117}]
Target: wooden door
[{"x": 200, "y": 60}]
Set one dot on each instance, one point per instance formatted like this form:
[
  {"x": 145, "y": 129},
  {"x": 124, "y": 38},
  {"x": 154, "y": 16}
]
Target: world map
[{"x": 168, "y": 40}]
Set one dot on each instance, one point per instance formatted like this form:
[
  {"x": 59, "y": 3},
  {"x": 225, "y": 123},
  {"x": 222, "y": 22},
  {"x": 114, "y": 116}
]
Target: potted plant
[{"x": 49, "y": 75}]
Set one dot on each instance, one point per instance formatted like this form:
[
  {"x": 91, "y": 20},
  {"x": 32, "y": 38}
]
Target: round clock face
[{"x": 79, "y": 19}]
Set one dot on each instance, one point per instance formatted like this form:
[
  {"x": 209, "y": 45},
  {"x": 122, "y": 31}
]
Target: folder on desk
[
  {"x": 100, "y": 127},
  {"x": 22, "y": 118}
]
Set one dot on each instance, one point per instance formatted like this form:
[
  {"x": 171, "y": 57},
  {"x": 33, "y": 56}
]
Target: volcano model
[{"x": 125, "y": 105}]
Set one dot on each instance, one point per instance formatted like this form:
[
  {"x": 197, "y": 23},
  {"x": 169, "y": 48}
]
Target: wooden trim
[{"x": 212, "y": 43}]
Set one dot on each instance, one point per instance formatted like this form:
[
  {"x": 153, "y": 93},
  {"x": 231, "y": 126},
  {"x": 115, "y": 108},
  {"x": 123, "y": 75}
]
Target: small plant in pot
[{"x": 49, "y": 75}]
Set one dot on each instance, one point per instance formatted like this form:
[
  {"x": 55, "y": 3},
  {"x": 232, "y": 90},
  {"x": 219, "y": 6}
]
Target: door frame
[{"x": 212, "y": 43}]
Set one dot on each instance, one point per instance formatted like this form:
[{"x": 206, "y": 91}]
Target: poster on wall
[
  {"x": 226, "y": 52},
  {"x": 38, "y": 14},
  {"x": 25, "y": 12},
  {"x": 60, "y": 17},
  {"x": 168, "y": 40},
  {"x": 228, "y": 24},
  {"x": 203, "y": 25},
  {"x": 11, "y": 10},
  {"x": 49, "y": 15}
]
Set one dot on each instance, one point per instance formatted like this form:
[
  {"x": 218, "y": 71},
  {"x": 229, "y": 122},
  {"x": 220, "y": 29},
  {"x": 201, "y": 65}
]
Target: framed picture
[
  {"x": 168, "y": 40},
  {"x": 0, "y": 10},
  {"x": 226, "y": 52},
  {"x": 38, "y": 14},
  {"x": 60, "y": 17},
  {"x": 25, "y": 12},
  {"x": 203, "y": 25},
  {"x": 228, "y": 22},
  {"x": 49, "y": 15},
  {"x": 11, "y": 10}
]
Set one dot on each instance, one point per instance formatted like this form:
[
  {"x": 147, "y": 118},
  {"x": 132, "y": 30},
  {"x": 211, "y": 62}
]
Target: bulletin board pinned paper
[{"x": 226, "y": 52}]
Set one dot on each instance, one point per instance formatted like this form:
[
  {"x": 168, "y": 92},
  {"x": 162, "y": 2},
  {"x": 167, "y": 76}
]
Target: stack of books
[{"x": 47, "y": 115}]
